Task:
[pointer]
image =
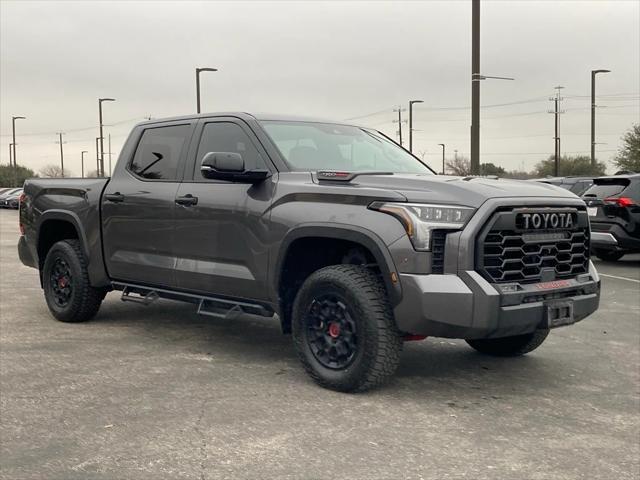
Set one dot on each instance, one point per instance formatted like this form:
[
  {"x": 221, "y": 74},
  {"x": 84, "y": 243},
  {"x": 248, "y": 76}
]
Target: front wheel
[
  {"x": 343, "y": 329},
  {"x": 609, "y": 255},
  {"x": 510, "y": 346},
  {"x": 69, "y": 295}
]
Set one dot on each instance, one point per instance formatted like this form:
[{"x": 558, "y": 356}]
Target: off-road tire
[
  {"x": 84, "y": 300},
  {"x": 510, "y": 346},
  {"x": 378, "y": 342},
  {"x": 609, "y": 255}
]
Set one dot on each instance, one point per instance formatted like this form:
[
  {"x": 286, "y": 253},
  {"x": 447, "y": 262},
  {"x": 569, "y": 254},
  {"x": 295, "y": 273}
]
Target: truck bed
[{"x": 74, "y": 202}]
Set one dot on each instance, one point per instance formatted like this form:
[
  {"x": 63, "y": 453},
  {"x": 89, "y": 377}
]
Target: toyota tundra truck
[{"x": 351, "y": 242}]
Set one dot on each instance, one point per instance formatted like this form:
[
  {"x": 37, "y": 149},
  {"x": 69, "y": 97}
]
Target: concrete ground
[{"x": 158, "y": 392}]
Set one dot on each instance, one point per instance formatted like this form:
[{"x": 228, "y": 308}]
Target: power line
[
  {"x": 537, "y": 99},
  {"x": 55, "y": 132}
]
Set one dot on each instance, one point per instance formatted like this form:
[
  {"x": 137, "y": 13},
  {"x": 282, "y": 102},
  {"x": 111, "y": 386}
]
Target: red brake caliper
[{"x": 334, "y": 330}]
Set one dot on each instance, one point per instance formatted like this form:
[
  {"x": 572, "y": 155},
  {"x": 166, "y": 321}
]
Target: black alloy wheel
[
  {"x": 61, "y": 281},
  {"x": 332, "y": 333}
]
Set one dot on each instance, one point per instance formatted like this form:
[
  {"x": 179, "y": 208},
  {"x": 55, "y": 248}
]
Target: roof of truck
[{"x": 245, "y": 115}]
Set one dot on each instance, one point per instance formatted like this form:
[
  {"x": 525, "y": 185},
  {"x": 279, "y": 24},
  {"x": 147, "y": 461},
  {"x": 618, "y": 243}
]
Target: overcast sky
[{"x": 336, "y": 60}]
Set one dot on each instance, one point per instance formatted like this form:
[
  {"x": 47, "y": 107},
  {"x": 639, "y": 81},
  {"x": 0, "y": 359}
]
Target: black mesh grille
[
  {"x": 514, "y": 256},
  {"x": 438, "y": 239}
]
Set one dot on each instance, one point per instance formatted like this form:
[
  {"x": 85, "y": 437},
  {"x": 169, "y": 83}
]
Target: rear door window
[{"x": 159, "y": 151}]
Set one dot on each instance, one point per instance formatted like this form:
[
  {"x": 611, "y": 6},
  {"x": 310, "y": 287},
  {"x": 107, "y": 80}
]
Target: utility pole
[
  {"x": 399, "y": 121},
  {"x": 475, "y": 87},
  {"x": 198, "y": 70},
  {"x": 97, "y": 157},
  {"x": 109, "y": 154},
  {"x": 13, "y": 133},
  {"x": 82, "y": 161},
  {"x": 556, "y": 139},
  {"x": 476, "y": 78},
  {"x": 10, "y": 154},
  {"x": 442, "y": 145},
  {"x": 61, "y": 155},
  {"x": 593, "y": 113},
  {"x": 100, "y": 100},
  {"x": 411, "y": 102}
]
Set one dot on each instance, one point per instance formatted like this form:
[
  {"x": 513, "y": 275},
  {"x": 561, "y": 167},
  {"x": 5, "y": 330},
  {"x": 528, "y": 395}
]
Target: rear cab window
[{"x": 159, "y": 152}]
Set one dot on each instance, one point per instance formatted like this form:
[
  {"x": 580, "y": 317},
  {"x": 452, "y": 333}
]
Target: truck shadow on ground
[{"x": 441, "y": 363}]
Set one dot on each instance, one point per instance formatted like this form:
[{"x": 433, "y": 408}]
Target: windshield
[{"x": 308, "y": 146}]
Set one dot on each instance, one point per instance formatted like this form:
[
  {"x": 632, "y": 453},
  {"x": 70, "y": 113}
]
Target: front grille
[
  {"x": 509, "y": 257},
  {"x": 438, "y": 240},
  {"x": 506, "y": 253}
]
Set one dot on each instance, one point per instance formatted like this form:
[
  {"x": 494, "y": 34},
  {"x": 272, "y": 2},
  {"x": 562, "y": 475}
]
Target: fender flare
[
  {"x": 363, "y": 236},
  {"x": 66, "y": 216}
]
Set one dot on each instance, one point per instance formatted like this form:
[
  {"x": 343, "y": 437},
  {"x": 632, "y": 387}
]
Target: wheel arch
[
  {"x": 358, "y": 236},
  {"x": 56, "y": 225}
]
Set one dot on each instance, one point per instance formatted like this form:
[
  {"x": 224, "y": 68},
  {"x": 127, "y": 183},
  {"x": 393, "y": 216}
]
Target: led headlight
[{"x": 420, "y": 219}]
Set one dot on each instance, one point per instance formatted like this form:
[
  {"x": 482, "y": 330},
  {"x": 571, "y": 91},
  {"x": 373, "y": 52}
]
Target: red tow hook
[{"x": 413, "y": 338}]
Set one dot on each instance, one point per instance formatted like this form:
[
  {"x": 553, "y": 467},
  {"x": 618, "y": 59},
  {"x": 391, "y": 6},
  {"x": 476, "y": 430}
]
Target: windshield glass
[{"x": 308, "y": 146}]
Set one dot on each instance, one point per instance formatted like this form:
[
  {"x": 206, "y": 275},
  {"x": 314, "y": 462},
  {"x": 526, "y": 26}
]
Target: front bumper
[{"x": 468, "y": 306}]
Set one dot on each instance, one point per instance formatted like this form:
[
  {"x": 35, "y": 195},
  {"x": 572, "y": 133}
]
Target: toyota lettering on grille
[{"x": 546, "y": 221}]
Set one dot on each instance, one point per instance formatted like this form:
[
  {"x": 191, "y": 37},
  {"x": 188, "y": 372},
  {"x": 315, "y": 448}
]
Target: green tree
[
  {"x": 491, "y": 169},
  {"x": 14, "y": 177},
  {"x": 579, "y": 165},
  {"x": 628, "y": 157}
]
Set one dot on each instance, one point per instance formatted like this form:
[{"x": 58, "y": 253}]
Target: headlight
[{"x": 420, "y": 219}]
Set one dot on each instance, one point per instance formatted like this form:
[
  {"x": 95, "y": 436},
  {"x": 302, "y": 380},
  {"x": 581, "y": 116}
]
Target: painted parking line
[{"x": 619, "y": 278}]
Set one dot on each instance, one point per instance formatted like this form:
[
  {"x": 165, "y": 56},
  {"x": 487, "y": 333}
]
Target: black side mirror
[{"x": 230, "y": 166}]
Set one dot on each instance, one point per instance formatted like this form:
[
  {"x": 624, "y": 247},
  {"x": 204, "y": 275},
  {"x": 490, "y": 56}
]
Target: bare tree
[
  {"x": 459, "y": 166},
  {"x": 54, "y": 171}
]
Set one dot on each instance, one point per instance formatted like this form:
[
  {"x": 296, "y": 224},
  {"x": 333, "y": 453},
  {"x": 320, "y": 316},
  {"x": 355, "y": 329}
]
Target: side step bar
[{"x": 207, "y": 305}]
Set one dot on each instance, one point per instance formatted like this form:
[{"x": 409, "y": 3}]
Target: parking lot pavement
[{"x": 159, "y": 392}]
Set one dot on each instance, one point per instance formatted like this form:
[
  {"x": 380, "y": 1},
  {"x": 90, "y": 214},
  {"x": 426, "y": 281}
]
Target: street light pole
[
  {"x": 100, "y": 100},
  {"x": 198, "y": 70},
  {"x": 13, "y": 130},
  {"x": 82, "y": 161},
  {"x": 61, "y": 156},
  {"x": 442, "y": 145},
  {"x": 411, "y": 102},
  {"x": 593, "y": 114}
]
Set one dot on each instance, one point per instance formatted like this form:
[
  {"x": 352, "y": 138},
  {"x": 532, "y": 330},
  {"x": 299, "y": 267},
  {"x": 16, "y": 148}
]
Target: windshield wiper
[{"x": 371, "y": 135}]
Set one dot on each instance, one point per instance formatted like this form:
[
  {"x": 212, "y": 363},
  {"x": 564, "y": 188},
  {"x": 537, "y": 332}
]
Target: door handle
[
  {"x": 114, "y": 197},
  {"x": 187, "y": 200}
]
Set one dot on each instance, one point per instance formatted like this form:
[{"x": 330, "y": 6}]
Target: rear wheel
[
  {"x": 343, "y": 329},
  {"x": 69, "y": 295},
  {"x": 510, "y": 346},
  {"x": 609, "y": 255}
]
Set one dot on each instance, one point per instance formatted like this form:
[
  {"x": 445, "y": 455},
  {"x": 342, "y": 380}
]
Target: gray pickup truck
[{"x": 354, "y": 243}]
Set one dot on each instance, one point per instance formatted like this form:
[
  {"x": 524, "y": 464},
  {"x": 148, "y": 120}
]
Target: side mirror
[{"x": 229, "y": 166}]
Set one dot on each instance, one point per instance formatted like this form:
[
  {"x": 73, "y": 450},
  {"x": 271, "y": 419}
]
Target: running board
[
  {"x": 145, "y": 298},
  {"x": 210, "y": 306}
]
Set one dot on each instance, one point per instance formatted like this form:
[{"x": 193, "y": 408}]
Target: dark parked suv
[{"x": 613, "y": 204}]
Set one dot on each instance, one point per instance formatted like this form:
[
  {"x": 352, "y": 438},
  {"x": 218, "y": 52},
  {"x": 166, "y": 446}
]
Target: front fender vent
[{"x": 438, "y": 240}]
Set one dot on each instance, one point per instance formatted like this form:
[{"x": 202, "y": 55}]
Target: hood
[{"x": 469, "y": 191}]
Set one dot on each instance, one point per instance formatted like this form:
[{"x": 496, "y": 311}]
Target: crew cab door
[
  {"x": 138, "y": 205},
  {"x": 222, "y": 226}
]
